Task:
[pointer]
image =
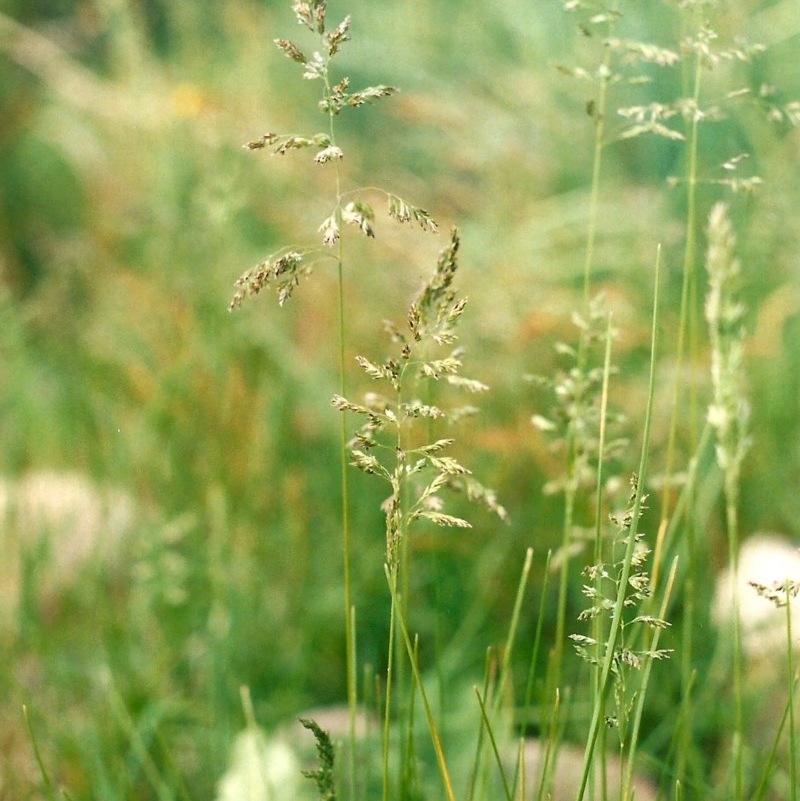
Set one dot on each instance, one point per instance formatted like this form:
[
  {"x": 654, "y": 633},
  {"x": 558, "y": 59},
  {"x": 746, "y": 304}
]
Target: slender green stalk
[
  {"x": 493, "y": 741},
  {"x": 790, "y": 703},
  {"x": 598, "y": 533},
  {"x": 550, "y": 750},
  {"x": 408, "y": 758},
  {"x": 349, "y": 609},
  {"x": 617, "y": 616},
  {"x": 387, "y": 703},
  {"x": 537, "y": 640},
  {"x": 475, "y": 773},
  {"x": 732, "y": 526},
  {"x": 520, "y": 779},
  {"x": 689, "y": 280},
  {"x": 563, "y": 577},
  {"x": 48, "y": 785},
  {"x": 505, "y": 665},
  {"x": 437, "y": 744},
  {"x": 597, "y": 163},
  {"x": 570, "y": 494},
  {"x": 642, "y": 693},
  {"x": 687, "y": 320},
  {"x": 597, "y": 623},
  {"x": 770, "y": 761}
]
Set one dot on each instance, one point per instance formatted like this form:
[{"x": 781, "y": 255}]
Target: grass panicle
[
  {"x": 728, "y": 414},
  {"x": 323, "y": 774}
]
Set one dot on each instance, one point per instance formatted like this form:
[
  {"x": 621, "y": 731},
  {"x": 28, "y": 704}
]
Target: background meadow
[{"x": 128, "y": 208}]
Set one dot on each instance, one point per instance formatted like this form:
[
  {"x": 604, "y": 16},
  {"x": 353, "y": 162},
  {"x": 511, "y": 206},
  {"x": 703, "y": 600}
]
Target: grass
[{"x": 257, "y": 560}]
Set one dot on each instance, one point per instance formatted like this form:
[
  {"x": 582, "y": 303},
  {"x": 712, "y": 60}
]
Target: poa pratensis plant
[
  {"x": 393, "y": 441},
  {"x": 397, "y": 444}
]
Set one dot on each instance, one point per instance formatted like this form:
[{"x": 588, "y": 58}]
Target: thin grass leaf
[
  {"x": 493, "y": 742},
  {"x": 48, "y": 786},
  {"x": 436, "y": 740}
]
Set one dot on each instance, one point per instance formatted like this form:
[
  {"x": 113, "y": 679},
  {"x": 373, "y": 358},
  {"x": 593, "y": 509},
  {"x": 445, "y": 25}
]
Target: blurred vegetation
[{"x": 127, "y": 210}]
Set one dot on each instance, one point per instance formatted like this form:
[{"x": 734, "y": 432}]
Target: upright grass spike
[
  {"x": 728, "y": 414},
  {"x": 322, "y": 775}
]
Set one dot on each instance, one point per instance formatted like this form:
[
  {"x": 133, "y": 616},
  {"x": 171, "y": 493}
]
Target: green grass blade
[{"x": 437, "y": 744}]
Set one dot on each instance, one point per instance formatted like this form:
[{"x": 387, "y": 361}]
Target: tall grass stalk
[
  {"x": 631, "y": 538},
  {"x": 477, "y": 774},
  {"x": 687, "y": 331},
  {"x": 598, "y": 110},
  {"x": 598, "y": 533},
  {"x": 387, "y": 698},
  {"x": 395, "y": 443},
  {"x": 687, "y": 317},
  {"x": 598, "y": 622},
  {"x": 728, "y": 413},
  {"x": 505, "y": 665},
  {"x": 537, "y": 641},
  {"x": 349, "y": 608}
]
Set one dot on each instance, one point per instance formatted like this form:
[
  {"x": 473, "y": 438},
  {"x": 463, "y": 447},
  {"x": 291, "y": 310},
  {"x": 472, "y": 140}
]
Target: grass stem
[{"x": 617, "y": 615}]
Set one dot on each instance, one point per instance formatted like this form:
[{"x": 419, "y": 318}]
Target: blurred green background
[{"x": 127, "y": 210}]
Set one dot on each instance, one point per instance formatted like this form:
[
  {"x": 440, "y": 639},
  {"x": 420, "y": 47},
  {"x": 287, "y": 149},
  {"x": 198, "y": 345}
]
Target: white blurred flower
[
  {"x": 769, "y": 560},
  {"x": 261, "y": 769}
]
